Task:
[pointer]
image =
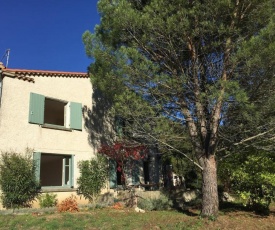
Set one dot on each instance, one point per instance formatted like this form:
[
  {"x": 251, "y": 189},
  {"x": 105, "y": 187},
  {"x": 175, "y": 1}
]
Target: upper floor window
[{"x": 55, "y": 113}]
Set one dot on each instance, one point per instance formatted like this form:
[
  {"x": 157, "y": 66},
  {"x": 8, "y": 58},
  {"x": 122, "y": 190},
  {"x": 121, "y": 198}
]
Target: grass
[{"x": 108, "y": 218}]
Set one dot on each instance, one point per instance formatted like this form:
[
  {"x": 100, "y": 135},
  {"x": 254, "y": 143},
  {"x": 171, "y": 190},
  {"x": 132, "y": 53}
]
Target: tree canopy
[{"x": 182, "y": 71}]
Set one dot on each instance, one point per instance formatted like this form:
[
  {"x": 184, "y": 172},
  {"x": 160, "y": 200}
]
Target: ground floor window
[
  {"x": 146, "y": 170},
  {"x": 54, "y": 170},
  {"x": 122, "y": 174}
]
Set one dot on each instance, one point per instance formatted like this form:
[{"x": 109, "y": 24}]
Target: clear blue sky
[{"x": 46, "y": 34}]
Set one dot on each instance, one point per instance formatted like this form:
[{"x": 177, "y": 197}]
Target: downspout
[{"x": 1, "y": 80}]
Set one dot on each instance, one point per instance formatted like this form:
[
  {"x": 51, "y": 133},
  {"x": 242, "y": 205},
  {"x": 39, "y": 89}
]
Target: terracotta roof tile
[{"x": 43, "y": 73}]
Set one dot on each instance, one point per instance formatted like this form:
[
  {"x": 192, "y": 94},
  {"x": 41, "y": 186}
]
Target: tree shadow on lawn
[
  {"x": 191, "y": 208},
  {"x": 191, "y": 212},
  {"x": 232, "y": 207},
  {"x": 228, "y": 207}
]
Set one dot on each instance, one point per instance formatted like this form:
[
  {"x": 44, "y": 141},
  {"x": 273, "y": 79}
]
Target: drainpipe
[{"x": 1, "y": 79}]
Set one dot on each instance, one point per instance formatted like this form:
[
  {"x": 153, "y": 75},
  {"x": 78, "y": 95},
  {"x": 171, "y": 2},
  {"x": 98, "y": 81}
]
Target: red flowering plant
[{"x": 124, "y": 153}]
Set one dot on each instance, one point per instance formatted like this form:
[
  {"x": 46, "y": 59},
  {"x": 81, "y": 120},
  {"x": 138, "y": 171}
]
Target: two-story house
[
  {"x": 42, "y": 111},
  {"x": 53, "y": 114}
]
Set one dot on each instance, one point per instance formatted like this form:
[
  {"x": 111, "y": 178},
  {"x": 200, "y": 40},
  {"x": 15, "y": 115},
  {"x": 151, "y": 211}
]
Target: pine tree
[{"x": 176, "y": 60}]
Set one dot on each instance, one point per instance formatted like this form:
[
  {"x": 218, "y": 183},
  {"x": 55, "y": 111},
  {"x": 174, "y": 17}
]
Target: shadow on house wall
[
  {"x": 98, "y": 122},
  {"x": 100, "y": 125}
]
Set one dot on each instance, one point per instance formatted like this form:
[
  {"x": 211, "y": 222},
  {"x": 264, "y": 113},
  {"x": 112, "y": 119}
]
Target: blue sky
[{"x": 46, "y": 34}]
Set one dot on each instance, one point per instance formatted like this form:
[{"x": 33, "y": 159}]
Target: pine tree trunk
[{"x": 210, "y": 199}]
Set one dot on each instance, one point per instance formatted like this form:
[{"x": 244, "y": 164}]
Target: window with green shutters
[
  {"x": 112, "y": 174},
  {"x": 119, "y": 126},
  {"x": 54, "y": 170},
  {"x": 130, "y": 172},
  {"x": 53, "y": 113},
  {"x": 75, "y": 115},
  {"x": 136, "y": 173}
]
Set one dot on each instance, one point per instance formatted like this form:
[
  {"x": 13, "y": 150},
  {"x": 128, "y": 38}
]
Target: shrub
[
  {"x": 158, "y": 204},
  {"x": 47, "y": 200},
  {"x": 17, "y": 179},
  {"x": 252, "y": 176},
  {"x": 93, "y": 175},
  {"x": 68, "y": 205},
  {"x": 145, "y": 204}
]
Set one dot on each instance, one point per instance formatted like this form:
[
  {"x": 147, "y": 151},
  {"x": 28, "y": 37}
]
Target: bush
[
  {"x": 93, "y": 176},
  {"x": 17, "y": 180},
  {"x": 47, "y": 200},
  {"x": 68, "y": 205},
  {"x": 158, "y": 204},
  {"x": 145, "y": 204},
  {"x": 252, "y": 177}
]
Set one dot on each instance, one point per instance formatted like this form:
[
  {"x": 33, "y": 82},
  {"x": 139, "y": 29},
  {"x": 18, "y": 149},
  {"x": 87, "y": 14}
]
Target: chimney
[{"x": 2, "y": 66}]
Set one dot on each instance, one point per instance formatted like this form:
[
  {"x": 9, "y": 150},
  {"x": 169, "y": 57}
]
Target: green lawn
[
  {"x": 108, "y": 218},
  {"x": 100, "y": 219}
]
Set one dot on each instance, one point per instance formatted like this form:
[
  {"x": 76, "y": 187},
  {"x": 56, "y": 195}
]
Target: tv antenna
[{"x": 6, "y": 55}]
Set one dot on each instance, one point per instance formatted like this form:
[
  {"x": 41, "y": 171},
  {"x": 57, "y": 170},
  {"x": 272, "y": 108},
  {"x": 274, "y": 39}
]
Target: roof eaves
[{"x": 47, "y": 73}]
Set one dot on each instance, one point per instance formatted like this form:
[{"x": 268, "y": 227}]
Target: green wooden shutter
[
  {"x": 119, "y": 126},
  {"x": 72, "y": 172},
  {"x": 135, "y": 173},
  {"x": 112, "y": 174},
  {"x": 36, "y": 108},
  {"x": 76, "y": 115},
  {"x": 37, "y": 162}
]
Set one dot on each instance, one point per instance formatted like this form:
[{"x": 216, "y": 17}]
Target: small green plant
[
  {"x": 212, "y": 218},
  {"x": 158, "y": 204},
  {"x": 47, "y": 200},
  {"x": 18, "y": 183},
  {"x": 93, "y": 176}
]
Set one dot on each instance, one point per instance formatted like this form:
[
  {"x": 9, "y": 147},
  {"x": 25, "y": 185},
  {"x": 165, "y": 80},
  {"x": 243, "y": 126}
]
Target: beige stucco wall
[
  {"x": 17, "y": 134},
  {"x": 80, "y": 199}
]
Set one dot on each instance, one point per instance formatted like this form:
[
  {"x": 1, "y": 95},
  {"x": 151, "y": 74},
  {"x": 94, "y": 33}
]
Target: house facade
[
  {"x": 43, "y": 111},
  {"x": 55, "y": 115}
]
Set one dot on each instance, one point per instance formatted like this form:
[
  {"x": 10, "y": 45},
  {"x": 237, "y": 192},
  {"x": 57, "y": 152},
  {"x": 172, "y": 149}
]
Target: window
[
  {"x": 146, "y": 171},
  {"x": 119, "y": 126},
  {"x": 124, "y": 128},
  {"x": 54, "y": 113},
  {"x": 54, "y": 170},
  {"x": 118, "y": 175}
]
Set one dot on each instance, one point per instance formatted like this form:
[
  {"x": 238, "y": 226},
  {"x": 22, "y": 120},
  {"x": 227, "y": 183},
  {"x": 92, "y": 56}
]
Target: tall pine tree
[{"x": 177, "y": 60}]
